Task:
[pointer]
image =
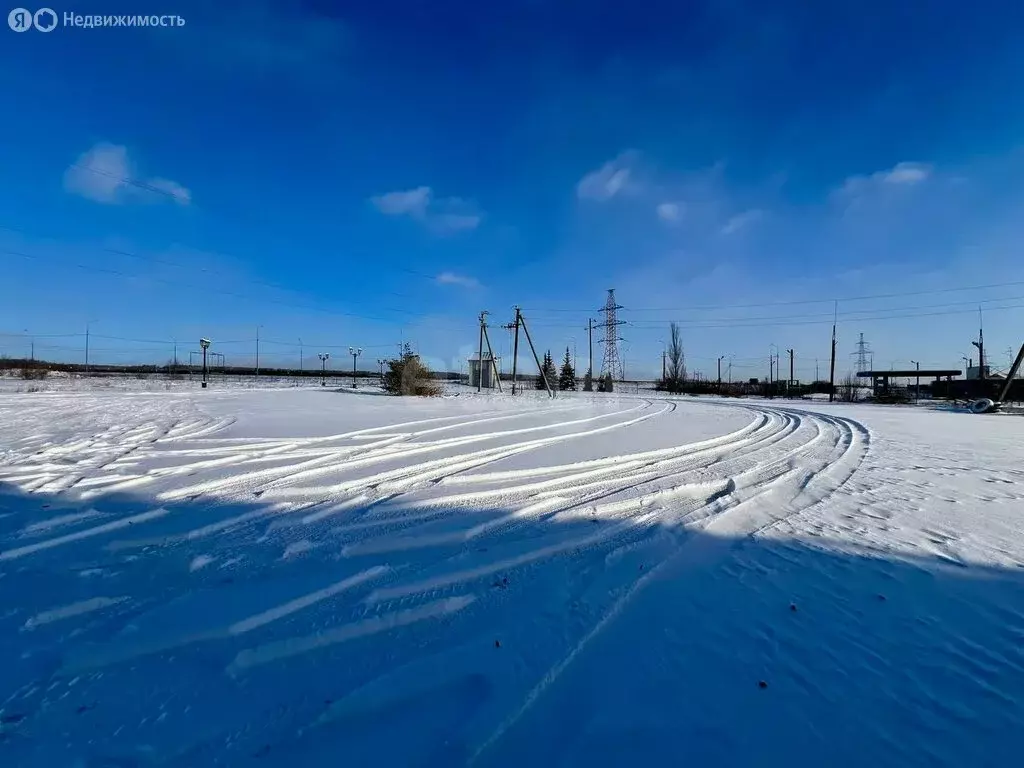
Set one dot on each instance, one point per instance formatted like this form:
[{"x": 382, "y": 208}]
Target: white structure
[{"x": 474, "y": 371}]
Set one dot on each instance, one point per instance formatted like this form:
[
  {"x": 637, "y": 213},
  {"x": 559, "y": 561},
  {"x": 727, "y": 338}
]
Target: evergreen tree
[
  {"x": 567, "y": 378},
  {"x": 406, "y": 375},
  {"x": 604, "y": 384},
  {"x": 547, "y": 372}
]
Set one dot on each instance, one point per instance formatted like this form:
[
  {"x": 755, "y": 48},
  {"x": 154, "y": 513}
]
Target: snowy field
[{"x": 309, "y": 577}]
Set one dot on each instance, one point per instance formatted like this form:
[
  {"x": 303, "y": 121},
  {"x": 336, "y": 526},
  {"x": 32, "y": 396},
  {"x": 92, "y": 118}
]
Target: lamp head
[{"x": 204, "y": 343}]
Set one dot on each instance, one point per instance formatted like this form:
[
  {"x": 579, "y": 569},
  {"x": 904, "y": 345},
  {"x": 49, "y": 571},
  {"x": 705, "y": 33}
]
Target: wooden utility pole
[
  {"x": 480, "y": 356},
  {"x": 1011, "y": 376},
  {"x": 514, "y": 325},
  {"x": 540, "y": 368},
  {"x": 720, "y": 358},
  {"x": 490, "y": 351},
  {"x": 832, "y": 365}
]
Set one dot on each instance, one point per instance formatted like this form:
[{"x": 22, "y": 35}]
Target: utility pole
[
  {"x": 771, "y": 367},
  {"x": 917, "y": 388},
  {"x": 790, "y": 382},
  {"x": 514, "y": 327},
  {"x": 300, "y": 354},
  {"x": 720, "y": 359},
  {"x": 980, "y": 344},
  {"x": 480, "y": 356},
  {"x": 257, "y": 350},
  {"x": 540, "y": 368},
  {"x": 816, "y": 376},
  {"x": 588, "y": 384},
  {"x": 174, "y": 364},
  {"x": 380, "y": 362},
  {"x": 664, "y": 354},
  {"x": 490, "y": 352},
  {"x": 832, "y": 366},
  {"x": 323, "y": 367},
  {"x": 86, "y": 347}
]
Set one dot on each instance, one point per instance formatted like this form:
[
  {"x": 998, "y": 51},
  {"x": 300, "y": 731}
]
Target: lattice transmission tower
[
  {"x": 863, "y": 355},
  {"x": 611, "y": 364}
]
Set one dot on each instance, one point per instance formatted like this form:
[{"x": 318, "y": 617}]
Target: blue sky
[{"x": 368, "y": 172}]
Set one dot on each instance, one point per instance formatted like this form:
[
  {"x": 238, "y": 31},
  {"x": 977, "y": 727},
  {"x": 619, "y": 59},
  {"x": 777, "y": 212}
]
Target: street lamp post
[
  {"x": 917, "y": 386},
  {"x": 205, "y": 344},
  {"x": 355, "y": 352},
  {"x": 324, "y": 356},
  {"x": 380, "y": 362}
]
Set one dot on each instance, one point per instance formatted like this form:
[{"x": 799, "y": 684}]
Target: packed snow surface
[{"x": 314, "y": 577}]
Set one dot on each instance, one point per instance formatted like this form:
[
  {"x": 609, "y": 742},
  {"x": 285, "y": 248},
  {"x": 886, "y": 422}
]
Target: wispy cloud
[
  {"x": 742, "y": 221},
  {"x": 611, "y": 179},
  {"x": 105, "y": 174},
  {"x": 441, "y": 215},
  {"x": 412, "y": 202},
  {"x": 670, "y": 212},
  {"x": 900, "y": 175},
  {"x": 451, "y": 278}
]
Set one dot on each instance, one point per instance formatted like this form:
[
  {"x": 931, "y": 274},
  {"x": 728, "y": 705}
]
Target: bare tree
[{"x": 675, "y": 370}]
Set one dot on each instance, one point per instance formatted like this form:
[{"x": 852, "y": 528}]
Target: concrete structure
[{"x": 488, "y": 372}]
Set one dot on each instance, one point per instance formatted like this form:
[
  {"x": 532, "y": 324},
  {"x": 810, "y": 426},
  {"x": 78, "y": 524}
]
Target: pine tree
[
  {"x": 406, "y": 375},
  {"x": 604, "y": 384},
  {"x": 567, "y": 378},
  {"x": 547, "y": 372}
]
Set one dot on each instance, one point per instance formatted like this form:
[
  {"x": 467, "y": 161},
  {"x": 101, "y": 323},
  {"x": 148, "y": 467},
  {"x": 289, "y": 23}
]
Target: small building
[
  {"x": 974, "y": 372},
  {"x": 880, "y": 380},
  {"x": 488, "y": 371}
]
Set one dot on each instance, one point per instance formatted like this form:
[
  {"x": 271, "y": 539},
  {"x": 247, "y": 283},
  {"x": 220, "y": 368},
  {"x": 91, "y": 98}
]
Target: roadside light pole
[
  {"x": 917, "y": 386},
  {"x": 324, "y": 356},
  {"x": 205, "y": 344},
  {"x": 380, "y": 362},
  {"x": 355, "y": 352}
]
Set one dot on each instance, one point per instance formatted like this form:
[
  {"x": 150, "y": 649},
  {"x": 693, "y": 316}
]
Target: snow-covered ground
[{"x": 308, "y": 577}]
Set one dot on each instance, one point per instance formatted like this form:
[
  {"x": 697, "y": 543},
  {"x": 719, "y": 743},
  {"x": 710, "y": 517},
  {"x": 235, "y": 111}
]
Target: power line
[
  {"x": 221, "y": 291},
  {"x": 852, "y": 314},
  {"x": 801, "y": 301}
]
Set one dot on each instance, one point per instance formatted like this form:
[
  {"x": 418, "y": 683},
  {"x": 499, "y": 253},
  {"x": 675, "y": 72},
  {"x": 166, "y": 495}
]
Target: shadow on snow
[{"x": 228, "y": 633}]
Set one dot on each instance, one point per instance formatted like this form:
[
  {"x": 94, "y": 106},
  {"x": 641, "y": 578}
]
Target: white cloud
[
  {"x": 446, "y": 223},
  {"x": 451, "y": 278},
  {"x": 907, "y": 173},
  {"x": 741, "y": 221},
  {"x": 170, "y": 188},
  {"x": 901, "y": 174},
  {"x": 607, "y": 181},
  {"x": 413, "y": 202},
  {"x": 105, "y": 174},
  {"x": 441, "y": 215},
  {"x": 670, "y": 212}
]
